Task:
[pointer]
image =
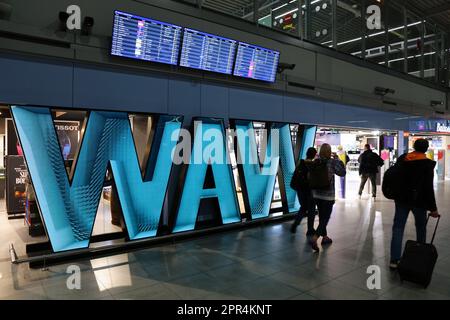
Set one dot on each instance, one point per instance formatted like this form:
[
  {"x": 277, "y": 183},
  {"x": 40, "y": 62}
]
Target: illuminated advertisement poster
[
  {"x": 16, "y": 175},
  {"x": 68, "y": 135}
]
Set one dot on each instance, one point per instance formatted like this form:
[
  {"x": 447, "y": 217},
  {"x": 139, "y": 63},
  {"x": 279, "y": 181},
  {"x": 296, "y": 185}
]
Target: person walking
[
  {"x": 304, "y": 193},
  {"x": 343, "y": 156},
  {"x": 416, "y": 194},
  {"x": 369, "y": 162},
  {"x": 325, "y": 195}
]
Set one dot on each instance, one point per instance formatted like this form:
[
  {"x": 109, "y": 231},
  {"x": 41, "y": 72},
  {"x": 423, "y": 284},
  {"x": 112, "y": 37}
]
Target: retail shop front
[
  {"x": 437, "y": 132},
  {"x": 349, "y": 144}
]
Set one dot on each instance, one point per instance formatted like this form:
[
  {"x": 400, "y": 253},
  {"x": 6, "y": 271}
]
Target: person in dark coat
[
  {"x": 307, "y": 205},
  {"x": 416, "y": 195},
  {"x": 369, "y": 162}
]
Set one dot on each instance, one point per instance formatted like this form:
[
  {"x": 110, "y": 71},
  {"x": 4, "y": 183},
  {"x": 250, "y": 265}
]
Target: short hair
[
  {"x": 367, "y": 147},
  {"x": 311, "y": 153},
  {"x": 421, "y": 145},
  {"x": 325, "y": 151}
]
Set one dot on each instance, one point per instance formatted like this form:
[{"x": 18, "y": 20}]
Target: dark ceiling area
[
  {"x": 426, "y": 35},
  {"x": 437, "y": 11}
]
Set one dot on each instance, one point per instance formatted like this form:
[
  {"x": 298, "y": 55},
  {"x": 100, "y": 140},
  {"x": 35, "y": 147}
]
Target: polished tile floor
[{"x": 266, "y": 262}]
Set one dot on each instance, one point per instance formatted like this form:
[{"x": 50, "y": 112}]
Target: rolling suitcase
[{"x": 418, "y": 261}]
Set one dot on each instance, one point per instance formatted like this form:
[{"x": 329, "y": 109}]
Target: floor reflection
[{"x": 112, "y": 272}]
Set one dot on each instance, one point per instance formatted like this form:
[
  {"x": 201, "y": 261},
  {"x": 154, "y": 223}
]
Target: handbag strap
[{"x": 435, "y": 228}]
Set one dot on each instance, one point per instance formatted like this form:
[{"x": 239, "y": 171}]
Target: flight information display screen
[
  {"x": 256, "y": 62},
  {"x": 207, "y": 52},
  {"x": 145, "y": 39}
]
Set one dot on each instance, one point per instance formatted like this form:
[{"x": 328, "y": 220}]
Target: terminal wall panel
[
  {"x": 214, "y": 101},
  {"x": 348, "y": 116},
  {"x": 336, "y": 72},
  {"x": 113, "y": 89},
  {"x": 184, "y": 98},
  {"x": 354, "y": 117},
  {"x": 35, "y": 82},
  {"x": 255, "y": 105},
  {"x": 303, "y": 110}
]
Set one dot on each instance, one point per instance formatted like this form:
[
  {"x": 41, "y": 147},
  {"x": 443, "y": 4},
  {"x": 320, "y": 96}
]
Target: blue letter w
[{"x": 68, "y": 208}]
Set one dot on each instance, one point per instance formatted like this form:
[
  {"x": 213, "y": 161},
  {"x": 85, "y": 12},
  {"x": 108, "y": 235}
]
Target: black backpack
[
  {"x": 295, "y": 181},
  {"x": 318, "y": 176},
  {"x": 392, "y": 181},
  {"x": 397, "y": 179},
  {"x": 299, "y": 178}
]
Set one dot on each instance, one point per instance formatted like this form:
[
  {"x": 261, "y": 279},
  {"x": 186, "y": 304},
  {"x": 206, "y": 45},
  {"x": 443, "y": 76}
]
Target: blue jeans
[{"x": 401, "y": 216}]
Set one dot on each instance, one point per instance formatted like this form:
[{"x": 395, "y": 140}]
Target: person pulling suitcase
[
  {"x": 418, "y": 260},
  {"x": 410, "y": 183}
]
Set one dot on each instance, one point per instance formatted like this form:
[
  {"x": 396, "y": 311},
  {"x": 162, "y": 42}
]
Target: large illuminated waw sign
[{"x": 69, "y": 205}]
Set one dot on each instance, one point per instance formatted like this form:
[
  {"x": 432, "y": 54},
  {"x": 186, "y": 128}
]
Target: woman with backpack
[
  {"x": 300, "y": 184},
  {"x": 321, "y": 181}
]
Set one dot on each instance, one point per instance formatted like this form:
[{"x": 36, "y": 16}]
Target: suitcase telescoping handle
[{"x": 435, "y": 229}]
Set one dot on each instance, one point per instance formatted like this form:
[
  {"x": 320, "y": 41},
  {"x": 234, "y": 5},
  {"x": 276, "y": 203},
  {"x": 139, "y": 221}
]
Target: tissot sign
[{"x": 68, "y": 205}]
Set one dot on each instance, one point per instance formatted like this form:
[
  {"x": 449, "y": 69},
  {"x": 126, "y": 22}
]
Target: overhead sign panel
[
  {"x": 145, "y": 39},
  {"x": 256, "y": 62},
  {"x": 207, "y": 52}
]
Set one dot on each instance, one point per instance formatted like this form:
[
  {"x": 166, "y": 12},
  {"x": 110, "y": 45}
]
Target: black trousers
[
  {"x": 373, "y": 180},
  {"x": 307, "y": 209},
  {"x": 325, "y": 208}
]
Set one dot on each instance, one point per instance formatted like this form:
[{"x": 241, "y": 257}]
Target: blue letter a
[
  {"x": 69, "y": 208},
  {"x": 213, "y": 153}
]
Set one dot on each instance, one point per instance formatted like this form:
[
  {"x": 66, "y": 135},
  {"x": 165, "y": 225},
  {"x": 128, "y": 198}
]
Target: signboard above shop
[
  {"x": 430, "y": 125},
  {"x": 443, "y": 127}
]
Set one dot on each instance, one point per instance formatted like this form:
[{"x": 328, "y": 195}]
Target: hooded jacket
[{"x": 418, "y": 191}]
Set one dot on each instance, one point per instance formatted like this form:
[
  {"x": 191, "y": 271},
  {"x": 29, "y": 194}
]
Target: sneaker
[
  {"x": 326, "y": 240},
  {"x": 393, "y": 265}
]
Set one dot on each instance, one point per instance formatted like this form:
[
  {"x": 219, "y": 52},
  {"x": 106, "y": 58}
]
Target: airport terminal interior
[{"x": 99, "y": 102}]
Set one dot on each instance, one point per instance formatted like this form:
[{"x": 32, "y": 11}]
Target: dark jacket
[
  {"x": 302, "y": 176},
  {"x": 369, "y": 162},
  {"x": 304, "y": 192},
  {"x": 335, "y": 167},
  {"x": 418, "y": 191}
]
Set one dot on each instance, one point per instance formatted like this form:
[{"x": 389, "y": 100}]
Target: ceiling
[
  {"x": 436, "y": 10},
  {"x": 350, "y": 23}
]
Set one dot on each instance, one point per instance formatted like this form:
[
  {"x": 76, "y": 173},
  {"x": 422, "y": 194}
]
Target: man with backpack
[
  {"x": 369, "y": 162},
  {"x": 410, "y": 184},
  {"x": 300, "y": 184}
]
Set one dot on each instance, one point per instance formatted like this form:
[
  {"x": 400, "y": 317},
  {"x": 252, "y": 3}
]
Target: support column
[
  {"x": 402, "y": 143},
  {"x": 334, "y": 23},
  {"x": 405, "y": 40}
]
